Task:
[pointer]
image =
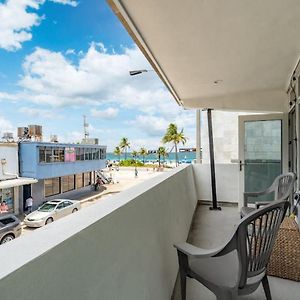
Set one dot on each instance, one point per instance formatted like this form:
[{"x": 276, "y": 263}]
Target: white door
[{"x": 263, "y": 151}]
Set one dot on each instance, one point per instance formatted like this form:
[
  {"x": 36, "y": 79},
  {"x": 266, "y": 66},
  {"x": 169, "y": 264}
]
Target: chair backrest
[
  {"x": 255, "y": 238},
  {"x": 284, "y": 185}
]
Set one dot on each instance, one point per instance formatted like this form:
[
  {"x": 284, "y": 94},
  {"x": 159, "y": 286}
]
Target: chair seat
[
  {"x": 221, "y": 271},
  {"x": 246, "y": 210}
]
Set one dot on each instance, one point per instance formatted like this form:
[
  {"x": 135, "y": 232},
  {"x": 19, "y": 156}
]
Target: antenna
[{"x": 85, "y": 128}]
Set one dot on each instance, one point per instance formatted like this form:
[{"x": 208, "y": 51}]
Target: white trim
[{"x": 16, "y": 182}]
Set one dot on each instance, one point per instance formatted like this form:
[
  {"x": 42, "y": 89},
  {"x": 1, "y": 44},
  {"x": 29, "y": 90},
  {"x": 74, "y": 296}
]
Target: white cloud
[
  {"x": 6, "y": 126},
  {"x": 70, "y": 51},
  {"x": 39, "y": 113},
  {"x": 16, "y": 22},
  {"x": 109, "y": 113},
  {"x": 99, "y": 77},
  {"x": 66, "y": 2}
]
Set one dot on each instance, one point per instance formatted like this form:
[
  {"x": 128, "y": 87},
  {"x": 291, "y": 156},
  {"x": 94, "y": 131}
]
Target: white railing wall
[
  {"x": 119, "y": 248},
  {"x": 227, "y": 181}
]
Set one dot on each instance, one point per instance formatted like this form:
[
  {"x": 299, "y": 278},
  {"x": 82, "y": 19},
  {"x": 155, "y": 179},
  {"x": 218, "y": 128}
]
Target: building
[
  {"x": 61, "y": 169},
  {"x": 12, "y": 186}
]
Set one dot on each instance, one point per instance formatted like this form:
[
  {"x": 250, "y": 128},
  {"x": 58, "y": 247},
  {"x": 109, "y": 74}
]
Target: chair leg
[
  {"x": 183, "y": 284},
  {"x": 266, "y": 287}
]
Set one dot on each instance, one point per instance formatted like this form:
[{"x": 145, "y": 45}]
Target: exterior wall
[
  {"x": 9, "y": 170},
  {"x": 119, "y": 248},
  {"x": 227, "y": 182},
  {"x": 9, "y": 152},
  {"x": 38, "y": 194},
  {"x": 30, "y": 166},
  {"x": 225, "y": 133}
]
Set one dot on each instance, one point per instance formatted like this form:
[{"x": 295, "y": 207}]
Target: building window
[
  {"x": 48, "y": 152},
  {"x": 79, "y": 181},
  {"x": 52, "y": 186},
  {"x": 42, "y": 157},
  {"x": 87, "y": 178},
  {"x": 67, "y": 183},
  {"x": 70, "y": 154},
  {"x": 61, "y": 154},
  {"x": 102, "y": 153},
  {"x": 7, "y": 200}
]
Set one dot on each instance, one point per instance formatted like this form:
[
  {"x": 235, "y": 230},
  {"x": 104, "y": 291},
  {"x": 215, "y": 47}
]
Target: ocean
[{"x": 183, "y": 157}]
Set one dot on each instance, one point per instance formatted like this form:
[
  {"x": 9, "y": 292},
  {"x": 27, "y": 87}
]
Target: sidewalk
[{"x": 90, "y": 196}]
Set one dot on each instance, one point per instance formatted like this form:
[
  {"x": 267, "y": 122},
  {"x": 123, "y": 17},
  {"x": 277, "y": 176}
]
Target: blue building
[{"x": 61, "y": 169}]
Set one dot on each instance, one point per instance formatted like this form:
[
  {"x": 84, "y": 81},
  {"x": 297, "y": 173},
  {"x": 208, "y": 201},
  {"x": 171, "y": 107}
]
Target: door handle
[{"x": 241, "y": 165}]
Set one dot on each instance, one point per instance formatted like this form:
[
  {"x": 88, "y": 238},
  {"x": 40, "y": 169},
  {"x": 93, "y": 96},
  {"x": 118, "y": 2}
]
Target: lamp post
[{"x": 137, "y": 72}]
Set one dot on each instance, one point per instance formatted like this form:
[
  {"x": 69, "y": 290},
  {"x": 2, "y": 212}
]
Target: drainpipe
[
  {"x": 212, "y": 163},
  {"x": 198, "y": 137}
]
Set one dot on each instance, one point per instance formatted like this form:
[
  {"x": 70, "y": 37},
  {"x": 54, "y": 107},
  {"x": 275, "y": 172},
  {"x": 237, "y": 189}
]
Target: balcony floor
[{"x": 210, "y": 229}]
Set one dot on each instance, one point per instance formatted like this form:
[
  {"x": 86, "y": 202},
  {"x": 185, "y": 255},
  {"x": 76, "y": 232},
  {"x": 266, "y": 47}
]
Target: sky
[{"x": 62, "y": 59}]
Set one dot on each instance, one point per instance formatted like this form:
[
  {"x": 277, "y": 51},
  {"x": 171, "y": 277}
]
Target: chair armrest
[
  {"x": 255, "y": 194},
  {"x": 258, "y": 204},
  {"x": 196, "y": 252}
]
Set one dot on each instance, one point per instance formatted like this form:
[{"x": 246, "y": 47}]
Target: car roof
[
  {"x": 56, "y": 201},
  {"x": 5, "y": 216}
]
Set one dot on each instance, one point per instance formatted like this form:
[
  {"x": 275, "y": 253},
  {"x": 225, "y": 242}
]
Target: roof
[
  {"x": 235, "y": 55},
  {"x": 4, "y": 184}
]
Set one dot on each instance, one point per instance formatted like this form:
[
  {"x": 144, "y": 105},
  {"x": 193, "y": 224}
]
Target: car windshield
[{"x": 47, "y": 207}]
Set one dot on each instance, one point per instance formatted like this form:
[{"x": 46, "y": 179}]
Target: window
[
  {"x": 7, "y": 221},
  {"x": 60, "y": 206},
  {"x": 52, "y": 186},
  {"x": 67, "y": 203},
  {"x": 87, "y": 178},
  {"x": 79, "y": 181},
  {"x": 67, "y": 183},
  {"x": 61, "y": 154},
  {"x": 55, "y": 155},
  {"x": 70, "y": 154},
  {"x": 42, "y": 157},
  {"x": 78, "y": 154},
  {"x": 48, "y": 152},
  {"x": 102, "y": 153}
]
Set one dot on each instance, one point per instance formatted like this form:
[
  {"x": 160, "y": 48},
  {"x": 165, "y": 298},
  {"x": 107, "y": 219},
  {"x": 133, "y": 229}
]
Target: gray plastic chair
[
  {"x": 238, "y": 267},
  {"x": 282, "y": 188}
]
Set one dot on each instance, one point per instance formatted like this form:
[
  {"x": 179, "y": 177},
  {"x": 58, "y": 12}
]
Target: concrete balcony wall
[
  {"x": 227, "y": 181},
  {"x": 119, "y": 248}
]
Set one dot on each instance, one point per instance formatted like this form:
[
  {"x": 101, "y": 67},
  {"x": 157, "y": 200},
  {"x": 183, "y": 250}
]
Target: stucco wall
[
  {"x": 119, "y": 248},
  {"x": 9, "y": 152},
  {"x": 227, "y": 182}
]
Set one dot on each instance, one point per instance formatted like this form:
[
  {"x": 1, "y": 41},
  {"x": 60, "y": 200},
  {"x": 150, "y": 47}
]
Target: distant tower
[{"x": 85, "y": 128}]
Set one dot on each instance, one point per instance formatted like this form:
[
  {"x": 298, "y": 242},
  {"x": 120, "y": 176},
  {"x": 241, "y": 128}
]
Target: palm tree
[
  {"x": 173, "y": 136},
  {"x": 124, "y": 145},
  {"x": 134, "y": 154},
  {"x": 162, "y": 153},
  {"x": 118, "y": 152},
  {"x": 143, "y": 152}
]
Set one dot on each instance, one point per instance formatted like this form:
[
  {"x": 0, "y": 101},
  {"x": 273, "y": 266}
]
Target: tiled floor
[{"x": 209, "y": 230}]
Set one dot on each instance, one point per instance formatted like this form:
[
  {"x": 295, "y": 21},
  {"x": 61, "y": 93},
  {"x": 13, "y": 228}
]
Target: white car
[{"x": 51, "y": 211}]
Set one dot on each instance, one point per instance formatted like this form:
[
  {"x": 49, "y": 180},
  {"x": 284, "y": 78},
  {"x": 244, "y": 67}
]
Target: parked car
[
  {"x": 51, "y": 211},
  {"x": 10, "y": 228}
]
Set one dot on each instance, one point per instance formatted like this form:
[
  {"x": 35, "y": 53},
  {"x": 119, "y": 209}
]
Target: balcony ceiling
[{"x": 249, "y": 48}]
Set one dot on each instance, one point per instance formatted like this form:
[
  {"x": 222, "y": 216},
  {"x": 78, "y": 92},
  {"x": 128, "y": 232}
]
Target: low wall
[
  {"x": 227, "y": 182},
  {"x": 119, "y": 248}
]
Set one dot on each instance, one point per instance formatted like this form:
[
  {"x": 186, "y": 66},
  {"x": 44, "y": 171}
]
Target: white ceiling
[{"x": 251, "y": 46}]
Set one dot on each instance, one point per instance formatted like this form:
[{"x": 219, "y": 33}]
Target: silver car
[{"x": 10, "y": 228}]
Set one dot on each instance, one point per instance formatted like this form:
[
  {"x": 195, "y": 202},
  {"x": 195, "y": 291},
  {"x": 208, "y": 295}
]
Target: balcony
[{"x": 122, "y": 247}]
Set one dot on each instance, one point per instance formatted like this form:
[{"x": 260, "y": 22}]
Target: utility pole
[{"x": 85, "y": 128}]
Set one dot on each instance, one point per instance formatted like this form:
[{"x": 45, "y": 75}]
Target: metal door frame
[{"x": 241, "y": 142}]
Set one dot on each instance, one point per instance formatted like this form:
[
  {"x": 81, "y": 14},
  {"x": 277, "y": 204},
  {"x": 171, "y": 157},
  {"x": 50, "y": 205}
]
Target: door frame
[{"x": 241, "y": 143}]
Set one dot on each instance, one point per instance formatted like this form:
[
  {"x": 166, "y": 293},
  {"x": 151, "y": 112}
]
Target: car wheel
[
  {"x": 74, "y": 210},
  {"x": 48, "y": 221},
  {"x": 7, "y": 238}
]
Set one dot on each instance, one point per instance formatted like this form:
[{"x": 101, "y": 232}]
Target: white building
[{"x": 11, "y": 193}]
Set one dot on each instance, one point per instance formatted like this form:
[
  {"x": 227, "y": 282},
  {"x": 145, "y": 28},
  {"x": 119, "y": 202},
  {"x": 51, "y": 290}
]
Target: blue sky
[{"x": 60, "y": 59}]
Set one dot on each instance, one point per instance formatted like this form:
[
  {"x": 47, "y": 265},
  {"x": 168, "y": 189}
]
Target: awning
[{"x": 16, "y": 182}]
